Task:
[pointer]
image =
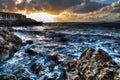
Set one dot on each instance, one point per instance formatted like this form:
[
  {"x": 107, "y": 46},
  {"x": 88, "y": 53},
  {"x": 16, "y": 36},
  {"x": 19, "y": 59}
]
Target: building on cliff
[
  {"x": 15, "y": 19},
  {"x": 5, "y": 16}
]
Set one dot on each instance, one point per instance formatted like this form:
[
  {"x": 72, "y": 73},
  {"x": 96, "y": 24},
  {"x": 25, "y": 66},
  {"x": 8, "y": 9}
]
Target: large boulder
[
  {"x": 9, "y": 43},
  {"x": 92, "y": 65},
  {"x": 97, "y": 65}
]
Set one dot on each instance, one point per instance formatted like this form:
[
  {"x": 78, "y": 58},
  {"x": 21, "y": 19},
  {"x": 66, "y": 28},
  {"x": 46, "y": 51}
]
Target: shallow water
[{"x": 46, "y": 43}]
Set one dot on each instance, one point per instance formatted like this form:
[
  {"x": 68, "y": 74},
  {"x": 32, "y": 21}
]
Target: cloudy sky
[{"x": 65, "y": 10}]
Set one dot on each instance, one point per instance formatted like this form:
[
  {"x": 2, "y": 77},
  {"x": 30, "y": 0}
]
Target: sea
[{"x": 68, "y": 42}]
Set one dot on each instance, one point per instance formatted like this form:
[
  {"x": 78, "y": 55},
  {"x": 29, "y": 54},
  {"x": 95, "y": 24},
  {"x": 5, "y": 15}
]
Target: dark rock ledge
[{"x": 9, "y": 43}]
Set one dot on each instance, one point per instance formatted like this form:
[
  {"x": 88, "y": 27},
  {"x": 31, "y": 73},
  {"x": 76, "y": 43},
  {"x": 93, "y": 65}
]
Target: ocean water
[{"x": 66, "y": 42}]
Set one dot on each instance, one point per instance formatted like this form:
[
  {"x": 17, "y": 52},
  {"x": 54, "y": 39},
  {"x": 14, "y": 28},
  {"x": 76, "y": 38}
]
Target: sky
[{"x": 65, "y": 10}]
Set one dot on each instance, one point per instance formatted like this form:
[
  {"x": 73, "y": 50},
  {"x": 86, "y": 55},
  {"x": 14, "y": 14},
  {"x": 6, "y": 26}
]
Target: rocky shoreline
[
  {"x": 91, "y": 65},
  {"x": 9, "y": 43}
]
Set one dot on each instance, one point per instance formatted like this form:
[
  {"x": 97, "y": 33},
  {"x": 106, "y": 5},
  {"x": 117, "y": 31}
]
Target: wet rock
[
  {"x": 29, "y": 42},
  {"x": 97, "y": 65},
  {"x": 77, "y": 77},
  {"x": 59, "y": 35},
  {"x": 71, "y": 69},
  {"x": 35, "y": 68},
  {"x": 118, "y": 56},
  {"x": 117, "y": 42},
  {"x": 7, "y": 77},
  {"x": 9, "y": 43},
  {"x": 25, "y": 78},
  {"x": 54, "y": 57},
  {"x": 51, "y": 61},
  {"x": 62, "y": 39},
  {"x": 69, "y": 66},
  {"x": 31, "y": 51},
  {"x": 53, "y": 34},
  {"x": 107, "y": 44},
  {"x": 48, "y": 78}
]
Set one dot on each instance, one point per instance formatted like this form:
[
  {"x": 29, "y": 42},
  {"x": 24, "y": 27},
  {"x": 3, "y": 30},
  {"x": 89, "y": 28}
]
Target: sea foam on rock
[{"x": 9, "y": 43}]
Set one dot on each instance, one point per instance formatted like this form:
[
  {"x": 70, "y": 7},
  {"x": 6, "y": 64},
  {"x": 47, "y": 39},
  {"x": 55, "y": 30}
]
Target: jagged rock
[
  {"x": 77, "y": 77},
  {"x": 97, "y": 65},
  {"x": 25, "y": 78},
  {"x": 62, "y": 39},
  {"x": 9, "y": 43},
  {"x": 35, "y": 68},
  {"x": 7, "y": 77},
  {"x": 30, "y": 51},
  {"x": 53, "y": 34},
  {"x": 29, "y": 42},
  {"x": 54, "y": 57},
  {"x": 71, "y": 69},
  {"x": 70, "y": 65},
  {"x": 92, "y": 65}
]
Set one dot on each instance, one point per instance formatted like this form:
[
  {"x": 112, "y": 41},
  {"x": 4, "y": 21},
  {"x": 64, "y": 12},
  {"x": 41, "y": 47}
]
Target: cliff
[{"x": 14, "y": 19}]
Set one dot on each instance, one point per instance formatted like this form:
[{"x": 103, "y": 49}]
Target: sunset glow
[
  {"x": 45, "y": 17},
  {"x": 65, "y": 10}
]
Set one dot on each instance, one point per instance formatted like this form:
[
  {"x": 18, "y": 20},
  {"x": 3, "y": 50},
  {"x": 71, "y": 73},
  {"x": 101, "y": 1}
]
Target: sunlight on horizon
[{"x": 45, "y": 17}]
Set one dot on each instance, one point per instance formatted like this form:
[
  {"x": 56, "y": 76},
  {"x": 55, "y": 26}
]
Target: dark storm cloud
[
  {"x": 56, "y": 6},
  {"x": 52, "y": 6},
  {"x": 112, "y": 8},
  {"x": 116, "y": 7},
  {"x": 7, "y": 5},
  {"x": 87, "y": 6}
]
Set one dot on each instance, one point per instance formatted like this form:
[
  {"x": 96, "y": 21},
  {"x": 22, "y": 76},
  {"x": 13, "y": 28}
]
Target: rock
[
  {"x": 118, "y": 56},
  {"x": 53, "y": 34},
  {"x": 97, "y": 65},
  {"x": 117, "y": 42},
  {"x": 54, "y": 57},
  {"x": 25, "y": 78},
  {"x": 59, "y": 35},
  {"x": 29, "y": 42},
  {"x": 107, "y": 44},
  {"x": 35, "y": 68},
  {"x": 76, "y": 77},
  {"x": 69, "y": 66},
  {"x": 30, "y": 51},
  {"x": 48, "y": 78},
  {"x": 71, "y": 69},
  {"x": 7, "y": 77},
  {"x": 9, "y": 43},
  {"x": 62, "y": 39}
]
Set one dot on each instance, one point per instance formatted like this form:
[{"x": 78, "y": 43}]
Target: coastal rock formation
[
  {"x": 97, "y": 65},
  {"x": 8, "y": 44},
  {"x": 15, "y": 19},
  {"x": 92, "y": 65}
]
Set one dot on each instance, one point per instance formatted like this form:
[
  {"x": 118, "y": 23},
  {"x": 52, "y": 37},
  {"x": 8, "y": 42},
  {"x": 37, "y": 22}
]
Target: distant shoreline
[
  {"x": 20, "y": 23},
  {"x": 67, "y": 24},
  {"x": 86, "y": 24}
]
